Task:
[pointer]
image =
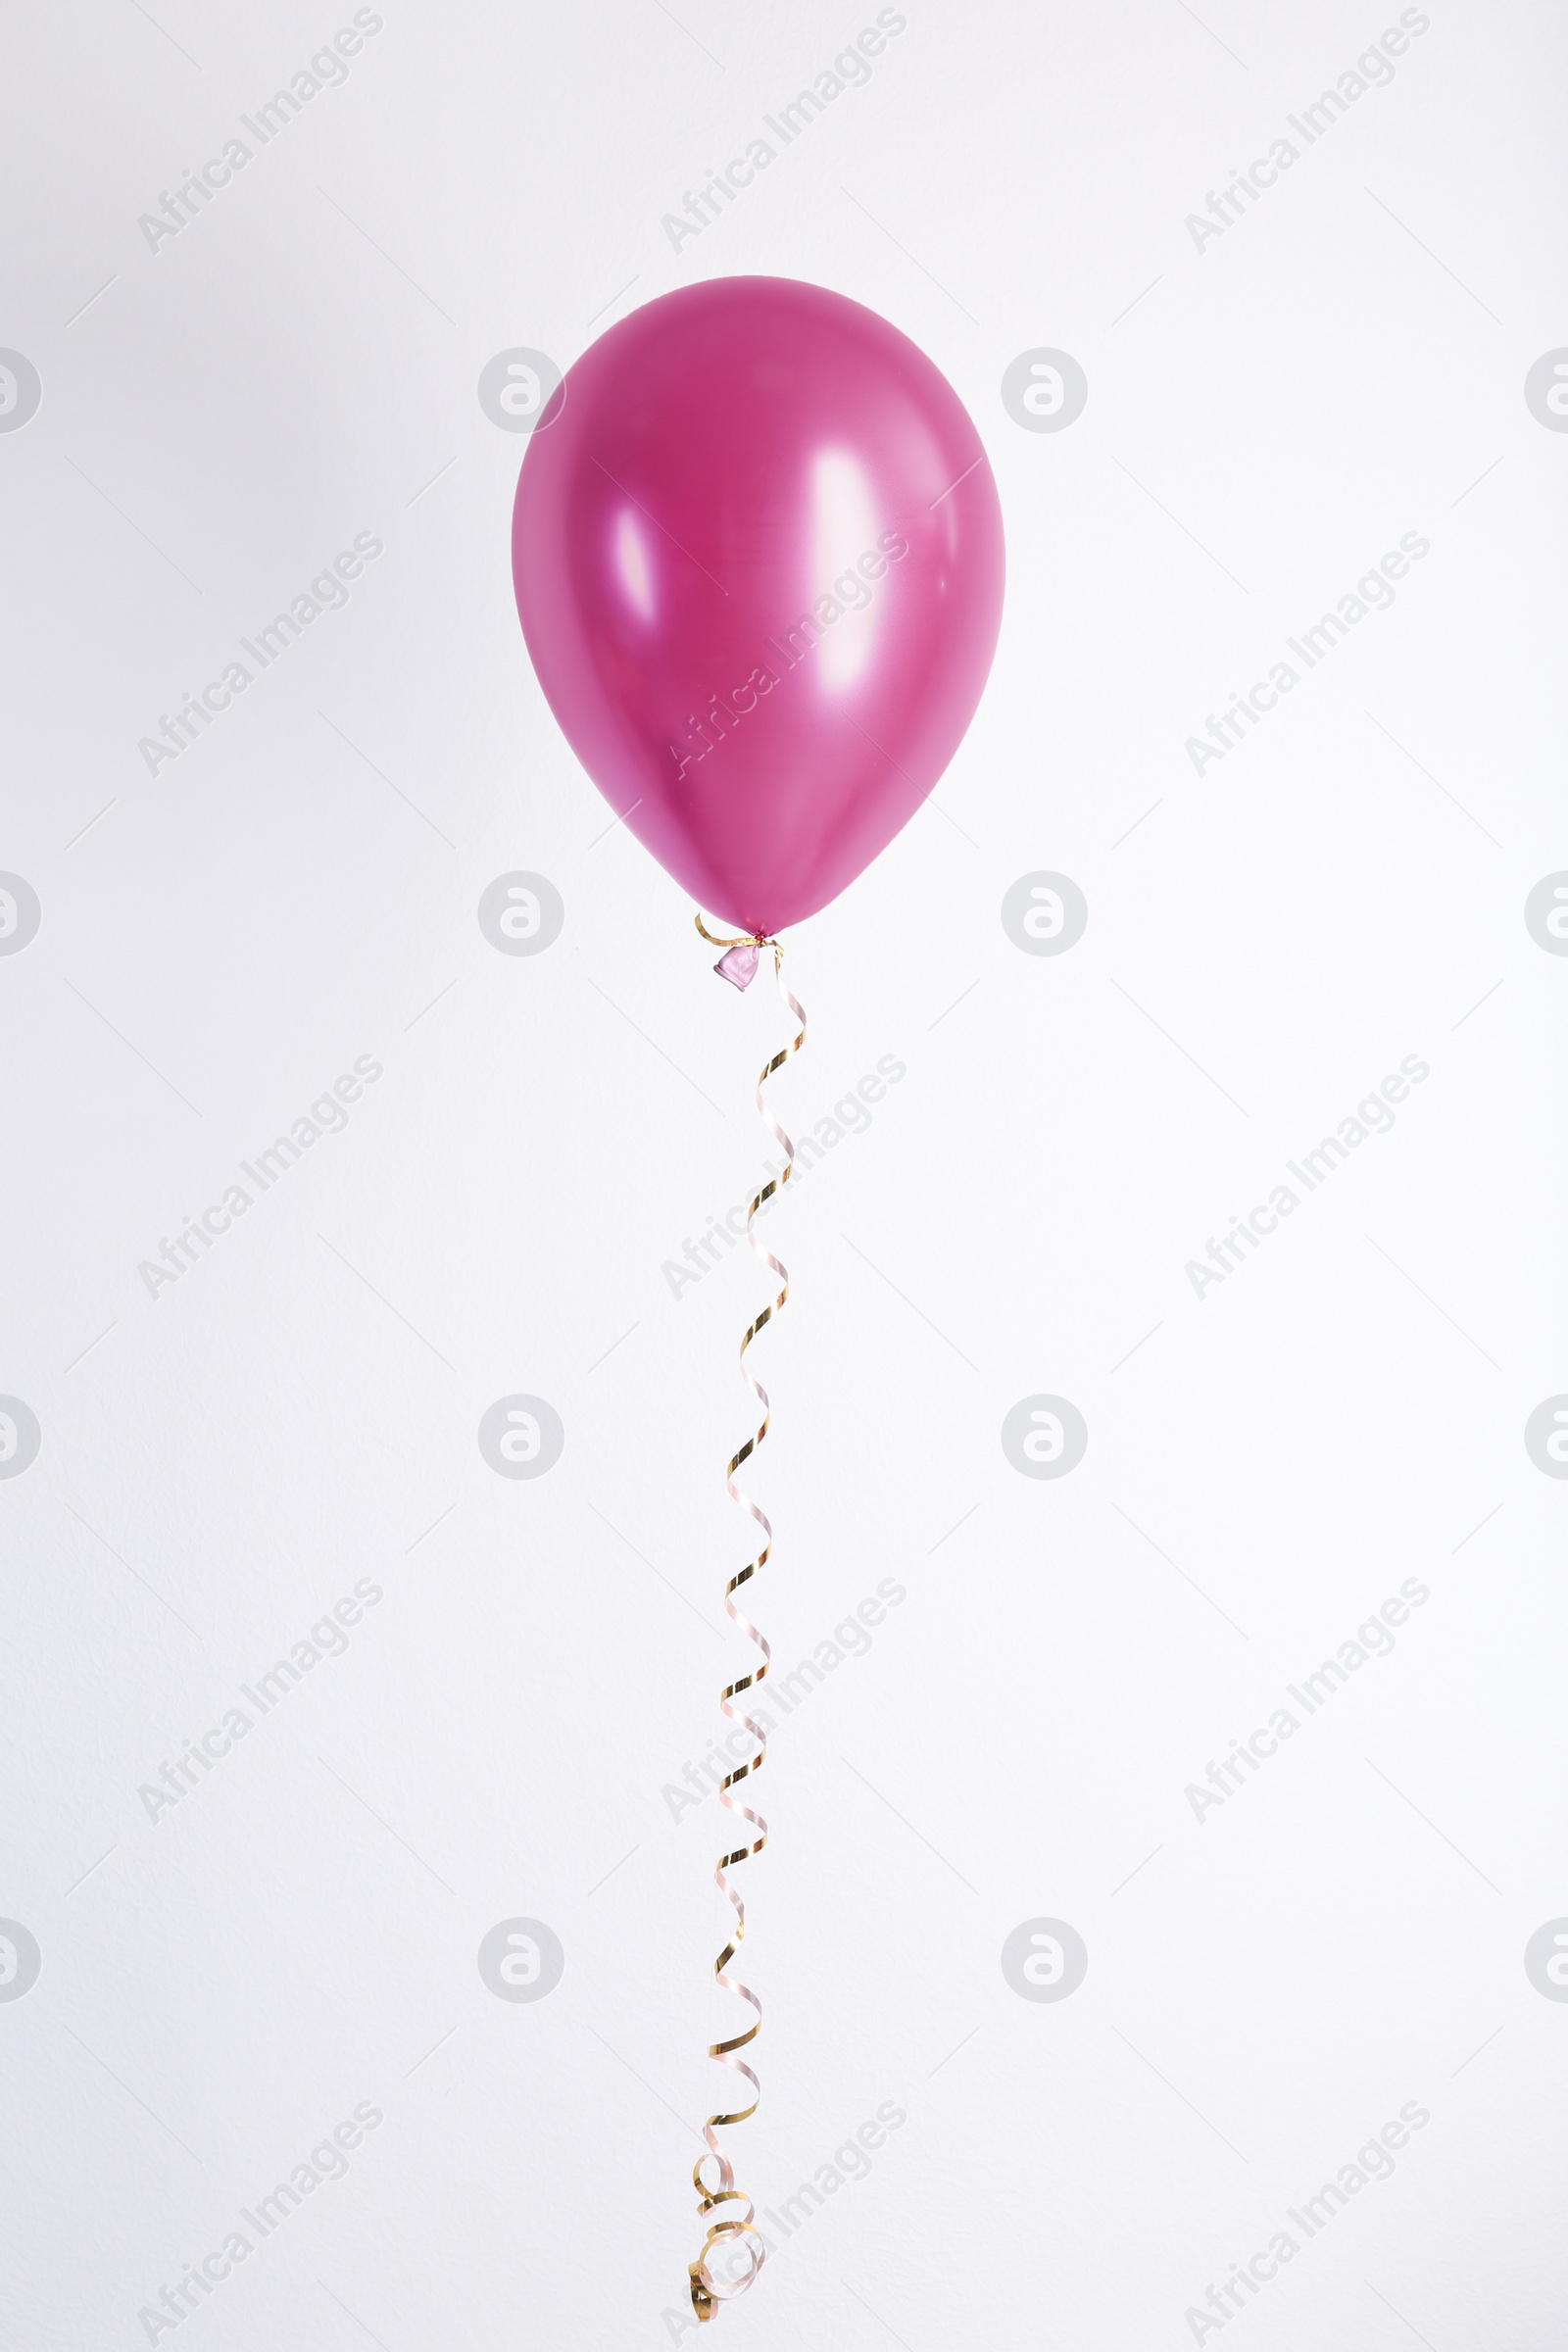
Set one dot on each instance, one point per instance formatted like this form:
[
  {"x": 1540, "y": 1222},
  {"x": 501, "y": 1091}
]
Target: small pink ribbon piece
[{"x": 738, "y": 964}]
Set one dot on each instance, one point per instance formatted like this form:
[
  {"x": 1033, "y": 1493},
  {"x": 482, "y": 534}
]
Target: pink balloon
[{"x": 759, "y": 561}]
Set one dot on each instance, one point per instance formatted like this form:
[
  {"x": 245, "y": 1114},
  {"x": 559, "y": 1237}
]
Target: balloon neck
[{"x": 738, "y": 964}]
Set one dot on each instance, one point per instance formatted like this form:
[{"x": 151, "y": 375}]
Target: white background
[{"x": 223, "y": 1984}]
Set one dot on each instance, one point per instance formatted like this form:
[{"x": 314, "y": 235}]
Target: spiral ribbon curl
[{"x": 736, "y": 2233}]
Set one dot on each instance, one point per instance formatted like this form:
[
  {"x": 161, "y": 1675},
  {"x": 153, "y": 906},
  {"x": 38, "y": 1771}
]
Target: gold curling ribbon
[{"x": 737, "y": 2233}]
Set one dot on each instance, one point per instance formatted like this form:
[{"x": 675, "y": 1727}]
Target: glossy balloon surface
[{"x": 758, "y": 563}]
